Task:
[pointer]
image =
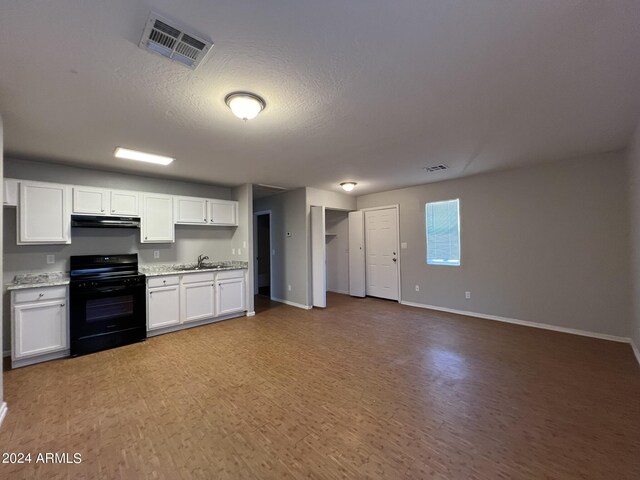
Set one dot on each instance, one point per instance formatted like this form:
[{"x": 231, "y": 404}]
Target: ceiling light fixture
[
  {"x": 348, "y": 186},
  {"x": 245, "y": 105},
  {"x": 141, "y": 156}
]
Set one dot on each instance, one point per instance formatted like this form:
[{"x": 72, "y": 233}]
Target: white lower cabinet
[
  {"x": 230, "y": 296},
  {"x": 39, "y": 324},
  {"x": 198, "y": 301},
  {"x": 194, "y": 297},
  {"x": 163, "y": 306}
]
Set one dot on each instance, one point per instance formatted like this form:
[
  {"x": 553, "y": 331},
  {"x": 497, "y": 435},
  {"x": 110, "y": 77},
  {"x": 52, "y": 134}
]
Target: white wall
[
  {"x": 289, "y": 265},
  {"x": 243, "y": 234},
  {"x": 546, "y": 244},
  {"x": 633, "y": 166},
  {"x": 3, "y": 318},
  {"x": 337, "y": 222}
]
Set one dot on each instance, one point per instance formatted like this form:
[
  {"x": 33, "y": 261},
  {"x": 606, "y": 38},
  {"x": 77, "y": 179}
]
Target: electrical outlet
[
  {"x": 467, "y": 294},
  {"x": 51, "y": 259},
  {"x": 233, "y": 251},
  {"x": 417, "y": 288},
  {"x": 156, "y": 254},
  {"x": 289, "y": 287},
  {"x": 238, "y": 251},
  {"x": 273, "y": 252},
  {"x": 403, "y": 245},
  {"x": 244, "y": 244}
]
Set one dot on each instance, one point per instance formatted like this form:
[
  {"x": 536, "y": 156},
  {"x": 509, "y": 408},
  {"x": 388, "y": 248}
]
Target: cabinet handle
[
  {"x": 40, "y": 295},
  {"x": 164, "y": 282},
  {"x": 102, "y": 210},
  {"x": 62, "y": 304},
  {"x": 150, "y": 293},
  {"x": 113, "y": 211},
  {"x": 205, "y": 219},
  {"x": 146, "y": 238}
]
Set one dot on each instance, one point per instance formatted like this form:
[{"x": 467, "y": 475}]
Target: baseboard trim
[
  {"x": 6, "y": 353},
  {"x": 293, "y": 304},
  {"x": 185, "y": 326},
  {"x": 636, "y": 351},
  {"x": 544, "y": 326},
  {"x": 251, "y": 314},
  {"x": 342, "y": 292},
  {"x": 3, "y": 411}
]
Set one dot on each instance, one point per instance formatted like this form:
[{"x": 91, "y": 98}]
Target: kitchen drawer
[
  {"x": 230, "y": 274},
  {"x": 163, "y": 281},
  {"x": 197, "y": 277},
  {"x": 40, "y": 294}
]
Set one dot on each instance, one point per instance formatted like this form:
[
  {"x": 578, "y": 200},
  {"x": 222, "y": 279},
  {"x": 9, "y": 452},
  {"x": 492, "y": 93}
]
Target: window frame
[{"x": 426, "y": 233}]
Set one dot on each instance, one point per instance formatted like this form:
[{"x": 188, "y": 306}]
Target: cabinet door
[
  {"x": 39, "y": 328},
  {"x": 43, "y": 213},
  {"x": 125, "y": 203},
  {"x": 157, "y": 219},
  {"x": 223, "y": 212},
  {"x": 91, "y": 201},
  {"x": 190, "y": 210},
  {"x": 230, "y": 296},
  {"x": 163, "y": 307},
  {"x": 198, "y": 301}
]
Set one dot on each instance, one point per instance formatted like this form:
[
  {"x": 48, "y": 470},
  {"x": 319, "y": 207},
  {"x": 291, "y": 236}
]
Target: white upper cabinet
[
  {"x": 223, "y": 212},
  {"x": 90, "y": 201},
  {"x": 190, "y": 210},
  {"x": 44, "y": 213},
  {"x": 125, "y": 203},
  {"x": 157, "y": 219}
]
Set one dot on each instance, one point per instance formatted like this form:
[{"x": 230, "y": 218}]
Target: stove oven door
[{"x": 106, "y": 309}]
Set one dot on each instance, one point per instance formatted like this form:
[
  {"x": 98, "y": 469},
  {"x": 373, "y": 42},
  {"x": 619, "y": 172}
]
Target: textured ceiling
[{"x": 368, "y": 90}]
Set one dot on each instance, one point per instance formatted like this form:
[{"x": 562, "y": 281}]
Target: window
[{"x": 443, "y": 233}]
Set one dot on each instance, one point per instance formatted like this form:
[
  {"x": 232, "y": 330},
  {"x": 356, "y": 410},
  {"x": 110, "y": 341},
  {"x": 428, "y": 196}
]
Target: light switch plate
[
  {"x": 51, "y": 259},
  {"x": 156, "y": 254},
  {"x": 403, "y": 245}
]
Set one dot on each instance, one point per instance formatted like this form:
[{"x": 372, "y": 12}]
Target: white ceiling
[{"x": 365, "y": 90}]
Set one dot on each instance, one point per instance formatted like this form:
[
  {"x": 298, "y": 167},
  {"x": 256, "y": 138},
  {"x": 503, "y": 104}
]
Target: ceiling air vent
[
  {"x": 435, "y": 168},
  {"x": 170, "y": 41}
]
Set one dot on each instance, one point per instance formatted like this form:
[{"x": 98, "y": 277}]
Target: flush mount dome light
[
  {"x": 348, "y": 186},
  {"x": 245, "y": 105}
]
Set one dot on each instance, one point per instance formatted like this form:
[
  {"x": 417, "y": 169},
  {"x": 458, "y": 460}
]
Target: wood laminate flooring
[{"x": 363, "y": 389}]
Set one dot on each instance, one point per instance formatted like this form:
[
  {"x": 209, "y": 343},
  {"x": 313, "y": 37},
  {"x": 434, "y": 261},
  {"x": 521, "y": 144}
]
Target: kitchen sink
[{"x": 203, "y": 267}]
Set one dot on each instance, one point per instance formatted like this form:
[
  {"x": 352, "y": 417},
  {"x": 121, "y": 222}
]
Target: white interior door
[
  {"x": 381, "y": 252},
  {"x": 318, "y": 257},
  {"x": 357, "y": 284}
]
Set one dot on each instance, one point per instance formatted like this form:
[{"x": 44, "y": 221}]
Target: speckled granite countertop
[
  {"x": 177, "y": 269},
  {"x": 34, "y": 280}
]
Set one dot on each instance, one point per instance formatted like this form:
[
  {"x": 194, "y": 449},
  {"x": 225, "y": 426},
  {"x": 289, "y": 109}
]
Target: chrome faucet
[{"x": 201, "y": 259}]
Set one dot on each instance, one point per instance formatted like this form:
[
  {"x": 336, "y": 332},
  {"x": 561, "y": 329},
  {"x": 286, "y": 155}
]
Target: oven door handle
[{"x": 111, "y": 289}]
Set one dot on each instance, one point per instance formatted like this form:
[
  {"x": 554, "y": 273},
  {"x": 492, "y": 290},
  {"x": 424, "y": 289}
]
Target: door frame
[
  {"x": 385, "y": 207},
  {"x": 256, "y": 284}
]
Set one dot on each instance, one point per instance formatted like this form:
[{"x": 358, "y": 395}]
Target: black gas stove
[{"x": 108, "y": 307}]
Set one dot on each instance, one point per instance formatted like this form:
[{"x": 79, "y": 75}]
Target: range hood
[{"x": 91, "y": 221}]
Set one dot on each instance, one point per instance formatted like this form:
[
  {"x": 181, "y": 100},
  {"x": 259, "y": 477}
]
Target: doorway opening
[{"x": 263, "y": 254}]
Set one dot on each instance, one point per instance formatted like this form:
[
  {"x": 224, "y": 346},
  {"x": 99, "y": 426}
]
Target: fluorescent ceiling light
[
  {"x": 348, "y": 186},
  {"x": 245, "y": 105},
  {"x": 142, "y": 156}
]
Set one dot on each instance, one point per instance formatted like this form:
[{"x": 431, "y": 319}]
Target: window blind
[{"x": 443, "y": 232}]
